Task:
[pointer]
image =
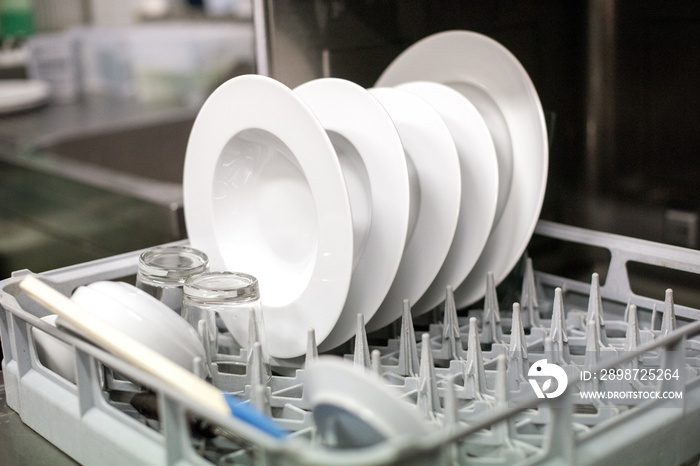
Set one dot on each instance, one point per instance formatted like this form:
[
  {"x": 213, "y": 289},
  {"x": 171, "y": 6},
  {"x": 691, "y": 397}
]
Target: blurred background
[{"x": 95, "y": 168}]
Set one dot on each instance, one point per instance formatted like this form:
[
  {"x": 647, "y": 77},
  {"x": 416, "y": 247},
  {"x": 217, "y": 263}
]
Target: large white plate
[
  {"x": 435, "y": 198},
  {"x": 500, "y": 88},
  {"x": 374, "y": 165},
  {"x": 343, "y": 396},
  {"x": 264, "y": 194},
  {"x": 479, "y": 169}
]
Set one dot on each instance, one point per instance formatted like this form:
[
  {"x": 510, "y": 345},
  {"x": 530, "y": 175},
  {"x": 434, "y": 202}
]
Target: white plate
[
  {"x": 374, "y": 166},
  {"x": 22, "y": 94},
  {"x": 344, "y": 396},
  {"x": 435, "y": 198},
  {"x": 497, "y": 84},
  {"x": 264, "y": 194},
  {"x": 479, "y": 169}
]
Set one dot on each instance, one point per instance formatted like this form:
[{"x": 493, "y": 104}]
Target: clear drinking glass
[
  {"x": 163, "y": 271},
  {"x": 232, "y": 296}
]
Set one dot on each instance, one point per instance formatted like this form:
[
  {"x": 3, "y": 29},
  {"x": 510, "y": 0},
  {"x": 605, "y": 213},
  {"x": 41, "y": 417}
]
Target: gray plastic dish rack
[{"x": 95, "y": 420}]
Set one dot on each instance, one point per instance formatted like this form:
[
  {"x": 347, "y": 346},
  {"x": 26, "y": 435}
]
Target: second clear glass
[{"x": 231, "y": 296}]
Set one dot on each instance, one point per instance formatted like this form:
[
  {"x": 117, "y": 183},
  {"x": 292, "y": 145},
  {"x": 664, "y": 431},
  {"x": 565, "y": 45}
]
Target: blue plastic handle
[{"x": 252, "y": 416}]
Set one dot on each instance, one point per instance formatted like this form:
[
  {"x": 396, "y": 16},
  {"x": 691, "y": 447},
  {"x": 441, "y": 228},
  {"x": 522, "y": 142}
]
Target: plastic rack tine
[
  {"x": 592, "y": 347},
  {"x": 450, "y": 418},
  {"x": 311, "y": 348},
  {"x": 517, "y": 350},
  {"x": 557, "y": 330},
  {"x": 361, "y": 356},
  {"x": 595, "y": 311},
  {"x": 503, "y": 429},
  {"x": 254, "y": 338},
  {"x": 260, "y": 399},
  {"x": 259, "y": 396},
  {"x": 450, "y": 409},
  {"x": 492, "y": 331},
  {"x": 528, "y": 297},
  {"x": 559, "y": 434},
  {"x": 254, "y": 333},
  {"x": 592, "y": 356},
  {"x": 673, "y": 361},
  {"x": 450, "y": 328},
  {"x": 501, "y": 389},
  {"x": 376, "y": 363},
  {"x": 474, "y": 375},
  {"x": 408, "y": 350},
  {"x": 428, "y": 399},
  {"x": 549, "y": 352},
  {"x": 256, "y": 367},
  {"x": 632, "y": 335},
  {"x": 668, "y": 321}
]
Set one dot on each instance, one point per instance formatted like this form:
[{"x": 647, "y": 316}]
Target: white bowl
[
  {"x": 145, "y": 319},
  {"x": 342, "y": 395}
]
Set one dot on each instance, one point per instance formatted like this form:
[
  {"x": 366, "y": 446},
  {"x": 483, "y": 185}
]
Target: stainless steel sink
[
  {"x": 144, "y": 161},
  {"x": 155, "y": 151},
  {"x": 89, "y": 180}
]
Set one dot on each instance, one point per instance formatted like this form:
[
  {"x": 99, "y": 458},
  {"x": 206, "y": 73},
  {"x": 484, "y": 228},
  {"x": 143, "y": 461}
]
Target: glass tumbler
[
  {"x": 233, "y": 297},
  {"x": 163, "y": 271}
]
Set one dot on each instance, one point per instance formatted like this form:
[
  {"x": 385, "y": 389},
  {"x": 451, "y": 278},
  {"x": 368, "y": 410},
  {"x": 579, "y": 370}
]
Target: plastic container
[
  {"x": 183, "y": 63},
  {"x": 54, "y": 58}
]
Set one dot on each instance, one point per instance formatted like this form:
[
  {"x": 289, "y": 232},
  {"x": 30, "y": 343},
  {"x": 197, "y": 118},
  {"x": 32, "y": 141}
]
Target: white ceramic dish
[
  {"x": 264, "y": 194},
  {"x": 160, "y": 314},
  {"x": 435, "y": 198},
  {"x": 374, "y": 166},
  {"x": 145, "y": 319},
  {"x": 344, "y": 396},
  {"x": 496, "y": 83},
  {"x": 479, "y": 169},
  {"x": 22, "y": 94}
]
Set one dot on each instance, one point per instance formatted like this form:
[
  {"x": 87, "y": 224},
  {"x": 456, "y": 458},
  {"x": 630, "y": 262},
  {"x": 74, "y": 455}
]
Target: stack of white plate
[{"x": 343, "y": 200}]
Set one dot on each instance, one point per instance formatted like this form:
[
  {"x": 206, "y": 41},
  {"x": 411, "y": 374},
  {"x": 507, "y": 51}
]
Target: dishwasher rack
[{"x": 96, "y": 421}]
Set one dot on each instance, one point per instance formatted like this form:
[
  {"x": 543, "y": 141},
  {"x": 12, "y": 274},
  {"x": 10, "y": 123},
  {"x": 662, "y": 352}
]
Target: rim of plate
[
  {"x": 482, "y": 68},
  {"x": 479, "y": 170},
  {"x": 319, "y": 282},
  {"x": 431, "y": 151},
  {"x": 349, "y": 110}
]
